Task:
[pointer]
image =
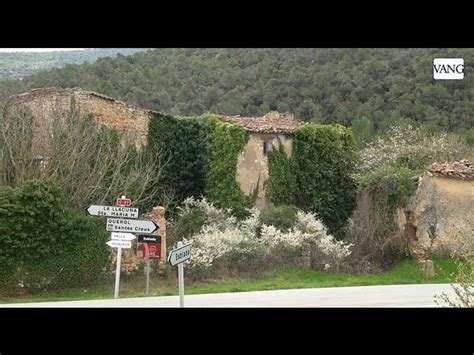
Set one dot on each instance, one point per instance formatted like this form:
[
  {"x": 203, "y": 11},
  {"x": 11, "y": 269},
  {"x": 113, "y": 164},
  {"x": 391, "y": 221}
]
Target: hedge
[{"x": 43, "y": 244}]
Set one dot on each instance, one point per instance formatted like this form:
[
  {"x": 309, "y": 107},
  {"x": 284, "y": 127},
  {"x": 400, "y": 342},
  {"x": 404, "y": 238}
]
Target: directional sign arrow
[
  {"x": 180, "y": 254},
  {"x": 113, "y": 211},
  {"x": 131, "y": 225},
  {"x": 122, "y": 236},
  {"x": 119, "y": 244}
]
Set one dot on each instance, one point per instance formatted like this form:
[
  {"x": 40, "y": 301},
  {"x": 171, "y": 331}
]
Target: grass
[{"x": 407, "y": 272}]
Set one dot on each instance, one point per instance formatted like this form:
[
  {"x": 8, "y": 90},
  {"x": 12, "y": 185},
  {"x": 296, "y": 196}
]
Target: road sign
[
  {"x": 122, "y": 236},
  {"x": 131, "y": 225},
  {"x": 113, "y": 211},
  {"x": 122, "y": 201},
  {"x": 119, "y": 244},
  {"x": 149, "y": 239},
  {"x": 149, "y": 250},
  {"x": 178, "y": 255}
]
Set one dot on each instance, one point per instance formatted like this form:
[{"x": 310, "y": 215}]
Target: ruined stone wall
[
  {"x": 44, "y": 104},
  {"x": 252, "y": 164},
  {"x": 131, "y": 122},
  {"x": 444, "y": 206}
]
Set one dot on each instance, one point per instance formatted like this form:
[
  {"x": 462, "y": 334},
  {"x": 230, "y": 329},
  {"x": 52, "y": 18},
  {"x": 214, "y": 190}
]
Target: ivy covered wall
[{"x": 201, "y": 154}]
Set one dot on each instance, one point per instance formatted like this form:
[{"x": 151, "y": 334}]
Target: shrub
[
  {"x": 227, "y": 246},
  {"x": 190, "y": 222},
  {"x": 464, "y": 279},
  {"x": 411, "y": 148},
  {"x": 372, "y": 229},
  {"x": 282, "y": 217},
  {"x": 43, "y": 244}
]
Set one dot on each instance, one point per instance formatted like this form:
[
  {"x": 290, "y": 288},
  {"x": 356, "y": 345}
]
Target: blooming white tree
[{"x": 223, "y": 236}]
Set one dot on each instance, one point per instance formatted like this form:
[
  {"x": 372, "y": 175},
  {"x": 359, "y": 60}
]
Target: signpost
[
  {"x": 122, "y": 236},
  {"x": 177, "y": 257},
  {"x": 119, "y": 244},
  {"x": 121, "y": 240},
  {"x": 131, "y": 225},
  {"x": 123, "y": 201},
  {"x": 113, "y": 211},
  {"x": 148, "y": 247},
  {"x": 122, "y": 221}
]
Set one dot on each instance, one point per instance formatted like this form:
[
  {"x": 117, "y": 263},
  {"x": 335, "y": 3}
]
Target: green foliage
[
  {"x": 327, "y": 85},
  {"x": 282, "y": 217},
  {"x": 202, "y": 158},
  {"x": 183, "y": 140},
  {"x": 45, "y": 245},
  {"x": 189, "y": 223},
  {"x": 469, "y": 136},
  {"x": 281, "y": 183},
  {"x": 392, "y": 186},
  {"x": 225, "y": 143},
  {"x": 324, "y": 160},
  {"x": 377, "y": 239},
  {"x": 363, "y": 129}
]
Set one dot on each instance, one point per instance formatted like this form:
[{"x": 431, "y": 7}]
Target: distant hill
[
  {"x": 19, "y": 64},
  {"x": 368, "y": 88}
]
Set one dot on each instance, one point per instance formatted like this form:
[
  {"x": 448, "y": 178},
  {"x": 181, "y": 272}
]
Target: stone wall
[
  {"x": 252, "y": 164},
  {"x": 444, "y": 207},
  {"x": 131, "y": 122}
]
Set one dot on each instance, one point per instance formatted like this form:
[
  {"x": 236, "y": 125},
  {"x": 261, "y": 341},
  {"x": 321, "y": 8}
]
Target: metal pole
[
  {"x": 117, "y": 272},
  {"x": 147, "y": 287},
  {"x": 181, "y": 280}
]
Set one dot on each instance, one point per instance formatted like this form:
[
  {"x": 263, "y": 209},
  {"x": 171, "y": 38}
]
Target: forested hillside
[
  {"x": 369, "y": 88},
  {"x": 19, "y": 64}
]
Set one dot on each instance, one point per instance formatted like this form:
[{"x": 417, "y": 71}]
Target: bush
[
  {"x": 226, "y": 246},
  {"x": 43, "y": 244},
  {"x": 282, "y": 217},
  {"x": 411, "y": 148},
  {"x": 377, "y": 239},
  {"x": 189, "y": 223}
]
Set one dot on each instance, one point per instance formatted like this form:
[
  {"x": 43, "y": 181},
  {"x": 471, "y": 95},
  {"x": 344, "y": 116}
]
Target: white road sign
[
  {"x": 119, "y": 244},
  {"x": 180, "y": 254},
  {"x": 113, "y": 211},
  {"x": 130, "y": 225},
  {"x": 122, "y": 236}
]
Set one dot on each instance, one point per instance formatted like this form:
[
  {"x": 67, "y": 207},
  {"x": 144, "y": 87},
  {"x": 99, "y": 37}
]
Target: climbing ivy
[
  {"x": 324, "y": 159},
  {"x": 201, "y": 154},
  {"x": 281, "y": 183},
  {"x": 225, "y": 143}
]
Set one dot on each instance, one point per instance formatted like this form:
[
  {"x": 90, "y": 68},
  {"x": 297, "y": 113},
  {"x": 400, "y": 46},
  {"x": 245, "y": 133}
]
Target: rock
[{"x": 428, "y": 269}]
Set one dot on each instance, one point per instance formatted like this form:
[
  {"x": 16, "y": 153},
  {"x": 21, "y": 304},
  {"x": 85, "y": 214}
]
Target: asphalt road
[{"x": 359, "y": 296}]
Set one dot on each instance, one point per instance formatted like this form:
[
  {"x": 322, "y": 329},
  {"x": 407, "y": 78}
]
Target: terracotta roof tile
[
  {"x": 462, "y": 169},
  {"x": 272, "y": 122}
]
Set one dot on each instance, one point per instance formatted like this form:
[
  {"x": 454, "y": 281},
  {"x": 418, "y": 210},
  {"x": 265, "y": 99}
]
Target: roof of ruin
[
  {"x": 462, "y": 169},
  {"x": 272, "y": 122},
  {"x": 38, "y": 92}
]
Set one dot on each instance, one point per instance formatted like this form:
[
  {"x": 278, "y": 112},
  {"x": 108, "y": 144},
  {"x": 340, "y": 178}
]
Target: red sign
[
  {"x": 123, "y": 202},
  {"x": 149, "y": 250}
]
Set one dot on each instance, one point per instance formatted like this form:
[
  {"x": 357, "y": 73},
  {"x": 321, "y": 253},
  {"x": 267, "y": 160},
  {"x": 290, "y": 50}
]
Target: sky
[{"x": 38, "y": 49}]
